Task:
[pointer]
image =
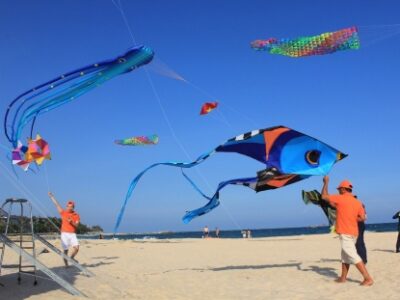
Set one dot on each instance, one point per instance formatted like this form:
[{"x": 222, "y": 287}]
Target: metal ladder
[{"x": 24, "y": 238}]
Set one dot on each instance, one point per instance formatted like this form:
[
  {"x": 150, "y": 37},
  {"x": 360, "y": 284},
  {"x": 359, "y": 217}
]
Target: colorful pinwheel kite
[
  {"x": 289, "y": 156},
  {"x": 322, "y": 44},
  {"x": 37, "y": 151}
]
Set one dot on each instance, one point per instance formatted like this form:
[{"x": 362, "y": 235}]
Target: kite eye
[
  {"x": 312, "y": 157},
  {"x": 122, "y": 60}
]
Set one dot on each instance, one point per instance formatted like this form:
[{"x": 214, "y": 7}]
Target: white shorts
[
  {"x": 68, "y": 240},
  {"x": 349, "y": 251}
]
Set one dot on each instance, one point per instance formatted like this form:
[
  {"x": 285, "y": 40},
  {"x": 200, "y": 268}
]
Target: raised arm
[
  {"x": 324, "y": 191},
  {"x": 54, "y": 200}
]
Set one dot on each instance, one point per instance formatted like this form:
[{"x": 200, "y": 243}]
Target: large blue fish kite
[
  {"x": 28, "y": 106},
  {"x": 289, "y": 156}
]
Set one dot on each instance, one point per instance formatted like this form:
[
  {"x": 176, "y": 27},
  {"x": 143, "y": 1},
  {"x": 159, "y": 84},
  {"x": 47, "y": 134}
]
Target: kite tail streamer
[
  {"x": 212, "y": 203},
  {"x": 134, "y": 182},
  {"x": 194, "y": 185},
  {"x": 214, "y": 200}
]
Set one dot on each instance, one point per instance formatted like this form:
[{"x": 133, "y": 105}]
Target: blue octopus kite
[{"x": 28, "y": 106}]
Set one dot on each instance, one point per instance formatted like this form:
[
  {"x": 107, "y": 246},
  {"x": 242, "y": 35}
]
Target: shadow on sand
[
  {"x": 256, "y": 267},
  {"x": 274, "y": 240},
  {"x": 105, "y": 257},
  {"x": 324, "y": 260},
  {"x": 232, "y": 268},
  {"x": 10, "y": 289},
  {"x": 384, "y": 250},
  {"x": 327, "y": 272},
  {"x": 94, "y": 265},
  {"x": 159, "y": 242},
  {"x": 322, "y": 271}
]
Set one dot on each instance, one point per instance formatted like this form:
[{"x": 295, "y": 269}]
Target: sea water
[{"x": 256, "y": 233}]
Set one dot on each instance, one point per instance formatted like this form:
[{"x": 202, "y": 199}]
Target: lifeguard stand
[
  {"x": 23, "y": 236},
  {"x": 23, "y": 243}
]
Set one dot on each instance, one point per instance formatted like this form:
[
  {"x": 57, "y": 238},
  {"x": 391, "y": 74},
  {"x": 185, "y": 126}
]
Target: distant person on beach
[
  {"x": 217, "y": 232},
  {"x": 360, "y": 243},
  {"x": 397, "y": 216},
  {"x": 206, "y": 232},
  {"x": 349, "y": 211},
  {"x": 249, "y": 234},
  {"x": 69, "y": 223},
  {"x": 244, "y": 233}
]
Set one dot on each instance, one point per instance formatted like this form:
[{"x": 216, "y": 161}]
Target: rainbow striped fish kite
[
  {"x": 138, "y": 141},
  {"x": 288, "y": 156},
  {"x": 325, "y": 43},
  {"x": 27, "y": 107}
]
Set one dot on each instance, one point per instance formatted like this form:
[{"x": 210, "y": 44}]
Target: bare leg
[
  {"x": 363, "y": 270},
  {"x": 65, "y": 261},
  {"x": 343, "y": 276},
  {"x": 74, "y": 251}
]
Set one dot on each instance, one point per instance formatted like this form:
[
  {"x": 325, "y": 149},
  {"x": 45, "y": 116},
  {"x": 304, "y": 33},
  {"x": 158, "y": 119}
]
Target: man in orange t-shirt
[
  {"x": 349, "y": 211},
  {"x": 69, "y": 223}
]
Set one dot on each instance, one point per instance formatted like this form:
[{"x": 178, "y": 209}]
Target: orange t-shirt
[
  {"x": 348, "y": 209},
  {"x": 65, "y": 224}
]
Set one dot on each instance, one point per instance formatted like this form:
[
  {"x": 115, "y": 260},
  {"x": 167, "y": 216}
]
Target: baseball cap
[{"x": 345, "y": 184}]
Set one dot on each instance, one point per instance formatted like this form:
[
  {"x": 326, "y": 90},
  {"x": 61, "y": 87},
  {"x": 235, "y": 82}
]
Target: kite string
[
  {"x": 179, "y": 77},
  {"x": 378, "y": 26},
  {"x": 28, "y": 194},
  {"x": 209, "y": 96},
  {"x": 375, "y": 33},
  {"x": 5, "y": 148},
  {"x": 156, "y": 94},
  {"x": 380, "y": 38},
  {"x": 165, "y": 116},
  {"x": 123, "y": 15},
  {"x": 183, "y": 148},
  {"x": 160, "y": 67},
  {"x": 46, "y": 174},
  {"x": 180, "y": 143},
  {"x": 121, "y": 10}
]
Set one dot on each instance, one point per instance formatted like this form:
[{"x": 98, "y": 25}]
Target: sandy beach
[{"x": 296, "y": 267}]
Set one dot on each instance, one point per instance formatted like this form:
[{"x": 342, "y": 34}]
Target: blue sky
[{"x": 348, "y": 100}]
